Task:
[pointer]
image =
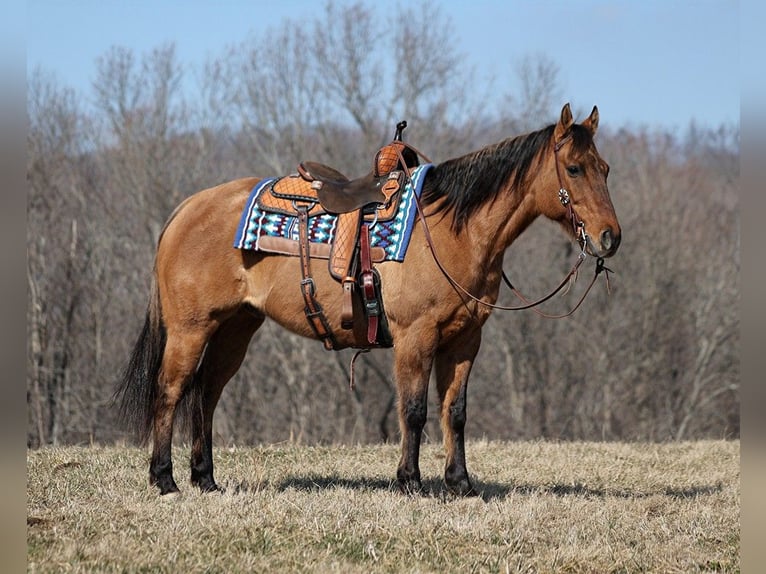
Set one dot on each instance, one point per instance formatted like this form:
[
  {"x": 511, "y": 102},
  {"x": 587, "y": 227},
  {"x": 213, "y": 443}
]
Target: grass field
[{"x": 544, "y": 507}]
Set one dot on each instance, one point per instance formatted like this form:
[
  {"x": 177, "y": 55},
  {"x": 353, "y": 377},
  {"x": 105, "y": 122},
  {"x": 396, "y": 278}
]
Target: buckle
[
  {"x": 310, "y": 282},
  {"x": 372, "y": 307}
]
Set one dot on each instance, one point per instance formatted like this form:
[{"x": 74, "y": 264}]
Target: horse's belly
[{"x": 274, "y": 289}]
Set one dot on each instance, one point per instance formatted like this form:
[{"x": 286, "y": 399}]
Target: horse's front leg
[
  {"x": 412, "y": 372},
  {"x": 453, "y": 366}
]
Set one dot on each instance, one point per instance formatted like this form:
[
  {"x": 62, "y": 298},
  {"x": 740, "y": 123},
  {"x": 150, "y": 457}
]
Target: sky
[{"x": 653, "y": 63}]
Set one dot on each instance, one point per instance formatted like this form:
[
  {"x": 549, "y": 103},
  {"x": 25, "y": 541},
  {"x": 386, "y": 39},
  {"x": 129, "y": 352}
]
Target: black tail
[{"x": 137, "y": 391}]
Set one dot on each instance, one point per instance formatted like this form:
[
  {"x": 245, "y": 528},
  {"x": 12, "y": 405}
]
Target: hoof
[
  {"x": 207, "y": 485},
  {"x": 463, "y": 489},
  {"x": 166, "y": 484},
  {"x": 410, "y": 487},
  {"x": 211, "y": 488},
  {"x": 458, "y": 484},
  {"x": 170, "y": 496}
]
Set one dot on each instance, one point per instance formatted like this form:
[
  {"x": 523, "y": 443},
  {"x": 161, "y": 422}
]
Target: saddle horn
[{"x": 399, "y": 129}]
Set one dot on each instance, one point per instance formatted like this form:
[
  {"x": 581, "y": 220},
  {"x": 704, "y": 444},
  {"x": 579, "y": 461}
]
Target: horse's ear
[
  {"x": 565, "y": 122},
  {"x": 592, "y": 122}
]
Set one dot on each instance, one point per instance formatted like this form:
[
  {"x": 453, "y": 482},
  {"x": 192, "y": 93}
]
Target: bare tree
[{"x": 53, "y": 266}]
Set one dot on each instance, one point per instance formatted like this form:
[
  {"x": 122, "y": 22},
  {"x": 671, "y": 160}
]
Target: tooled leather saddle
[{"x": 359, "y": 203}]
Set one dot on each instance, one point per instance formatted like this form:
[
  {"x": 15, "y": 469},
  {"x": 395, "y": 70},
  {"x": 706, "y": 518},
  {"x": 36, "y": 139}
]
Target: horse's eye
[{"x": 573, "y": 170}]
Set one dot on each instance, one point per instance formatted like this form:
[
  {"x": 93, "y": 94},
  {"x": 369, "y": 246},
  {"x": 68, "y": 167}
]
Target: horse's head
[{"x": 582, "y": 204}]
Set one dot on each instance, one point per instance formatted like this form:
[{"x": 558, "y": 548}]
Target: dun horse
[{"x": 208, "y": 298}]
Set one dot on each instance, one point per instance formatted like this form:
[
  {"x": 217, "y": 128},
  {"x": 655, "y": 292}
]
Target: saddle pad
[{"x": 391, "y": 236}]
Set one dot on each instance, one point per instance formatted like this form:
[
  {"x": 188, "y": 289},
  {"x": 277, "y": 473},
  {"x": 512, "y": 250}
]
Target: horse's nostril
[{"x": 607, "y": 239}]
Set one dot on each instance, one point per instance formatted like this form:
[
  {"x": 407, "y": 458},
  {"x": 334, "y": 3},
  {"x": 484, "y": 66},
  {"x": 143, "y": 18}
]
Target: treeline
[{"x": 655, "y": 359}]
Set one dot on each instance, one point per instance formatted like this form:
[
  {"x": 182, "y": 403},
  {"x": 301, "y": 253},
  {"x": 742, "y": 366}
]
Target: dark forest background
[{"x": 106, "y": 168}]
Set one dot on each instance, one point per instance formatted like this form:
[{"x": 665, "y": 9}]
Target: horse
[{"x": 208, "y": 299}]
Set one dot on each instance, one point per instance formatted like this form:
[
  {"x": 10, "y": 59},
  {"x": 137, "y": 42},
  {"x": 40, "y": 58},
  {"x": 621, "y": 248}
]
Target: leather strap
[
  {"x": 371, "y": 303},
  {"x": 347, "y": 306},
  {"x": 313, "y": 310},
  {"x": 284, "y": 246}
]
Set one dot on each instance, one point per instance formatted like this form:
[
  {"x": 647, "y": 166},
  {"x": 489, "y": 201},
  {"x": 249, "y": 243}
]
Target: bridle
[{"x": 578, "y": 227}]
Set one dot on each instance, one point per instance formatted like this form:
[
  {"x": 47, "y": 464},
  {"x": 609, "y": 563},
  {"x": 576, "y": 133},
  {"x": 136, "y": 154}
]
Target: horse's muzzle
[{"x": 608, "y": 242}]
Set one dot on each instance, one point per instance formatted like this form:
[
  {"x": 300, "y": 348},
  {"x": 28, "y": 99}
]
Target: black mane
[{"x": 470, "y": 181}]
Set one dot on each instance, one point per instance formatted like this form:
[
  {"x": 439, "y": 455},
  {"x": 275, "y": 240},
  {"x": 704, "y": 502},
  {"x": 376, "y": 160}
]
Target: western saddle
[{"x": 358, "y": 204}]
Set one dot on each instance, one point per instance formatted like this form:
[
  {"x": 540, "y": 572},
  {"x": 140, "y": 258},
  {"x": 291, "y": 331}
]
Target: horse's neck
[
  {"x": 496, "y": 225},
  {"x": 481, "y": 244}
]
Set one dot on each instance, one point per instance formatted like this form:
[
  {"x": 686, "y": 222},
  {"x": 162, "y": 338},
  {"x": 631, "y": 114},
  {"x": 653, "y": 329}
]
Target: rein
[{"x": 577, "y": 225}]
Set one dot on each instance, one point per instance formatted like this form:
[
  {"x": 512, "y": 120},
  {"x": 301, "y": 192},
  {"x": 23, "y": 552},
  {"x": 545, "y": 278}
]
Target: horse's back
[{"x": 218, "y": 206}]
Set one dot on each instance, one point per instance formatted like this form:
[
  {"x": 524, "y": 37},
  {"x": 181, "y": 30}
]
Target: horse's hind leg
[
  {"x": 223, "y": 357},
  {"x": 453, "y": 366},
  {"x": 179, "y": 362}
]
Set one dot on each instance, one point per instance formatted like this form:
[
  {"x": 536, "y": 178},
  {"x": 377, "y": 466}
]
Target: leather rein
[{"x": 579, "y": 230}]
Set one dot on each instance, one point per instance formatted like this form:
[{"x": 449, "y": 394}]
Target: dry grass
[{"x": 544, "y": 507}]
